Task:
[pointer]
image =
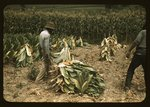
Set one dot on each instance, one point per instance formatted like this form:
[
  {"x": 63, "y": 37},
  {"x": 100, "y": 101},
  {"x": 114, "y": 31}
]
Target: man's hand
[
  {"x": 133, "y": 45},
  {"x": 43, "y": 53},
  {"x": 128, "y": 54}
]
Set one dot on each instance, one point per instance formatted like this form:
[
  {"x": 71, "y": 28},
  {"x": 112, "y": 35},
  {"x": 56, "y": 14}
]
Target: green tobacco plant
[
  {"x": 109, "y": 46},
  {"x": 24, "y": 56},
  {"x": 77, "y": 77},
  {"x": 13, "y": 43}
]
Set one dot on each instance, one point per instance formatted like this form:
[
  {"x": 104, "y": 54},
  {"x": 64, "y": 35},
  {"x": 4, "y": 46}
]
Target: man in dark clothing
[{"x": 138, "y": 58}]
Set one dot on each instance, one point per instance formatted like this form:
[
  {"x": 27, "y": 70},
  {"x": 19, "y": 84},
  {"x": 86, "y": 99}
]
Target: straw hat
[{"x": 50, "y": 25}]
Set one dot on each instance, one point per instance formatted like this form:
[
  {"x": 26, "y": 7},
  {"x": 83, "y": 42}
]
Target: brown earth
[{"x": 18, "y": 88}]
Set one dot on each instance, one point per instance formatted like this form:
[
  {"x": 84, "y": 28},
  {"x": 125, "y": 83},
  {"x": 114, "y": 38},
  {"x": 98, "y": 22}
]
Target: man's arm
[
  {"x": 133, "y": 45},
  {"x": 41, "y": 47}
]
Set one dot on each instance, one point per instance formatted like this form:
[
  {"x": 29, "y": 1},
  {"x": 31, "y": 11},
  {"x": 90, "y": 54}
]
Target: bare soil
[{"x": 18, "y": 88}]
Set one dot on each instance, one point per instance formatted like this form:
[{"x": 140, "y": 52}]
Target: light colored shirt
[
  {"x": 141, "y": 39},
  {"x": 141, "y": 43},
  {"x": 44, "y": 41}
]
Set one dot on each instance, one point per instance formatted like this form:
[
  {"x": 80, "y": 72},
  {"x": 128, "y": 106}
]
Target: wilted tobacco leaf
[
  {"x": 28, "y": 50},
  {"x": 64, "y": 72},
  {"x": 76, "y": 82},
  {"x": 86, "y": 83},
  {"x": 67, "y": 81}
]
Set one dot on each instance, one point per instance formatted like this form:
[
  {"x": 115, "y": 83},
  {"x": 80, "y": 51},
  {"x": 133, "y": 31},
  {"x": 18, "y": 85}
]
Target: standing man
[
  {"x": 44, "y": 39},
  {"x": 138, "y": 58}
]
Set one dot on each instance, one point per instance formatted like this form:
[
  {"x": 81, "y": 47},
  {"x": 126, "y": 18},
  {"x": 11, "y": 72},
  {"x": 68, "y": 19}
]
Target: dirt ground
[{"x": 18, "y": 88}]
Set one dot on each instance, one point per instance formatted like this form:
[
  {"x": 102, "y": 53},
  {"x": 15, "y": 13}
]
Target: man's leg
[
  {"x": 144, "y": 68},
  {"x": 143, "y": 62},
  {"x": 40, "y": 76},
  {"x": 47, "y": 64},
  {"x": 136, "y": 61},
  {"x": 45, "y": 69}
]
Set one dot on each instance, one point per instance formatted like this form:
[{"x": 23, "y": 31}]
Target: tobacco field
[{"x": 88, "y": 50}]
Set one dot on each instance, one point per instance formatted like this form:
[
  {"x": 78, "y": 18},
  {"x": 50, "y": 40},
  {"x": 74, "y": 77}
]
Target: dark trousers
[
  {"x": 136, "y": 61},
  {"x": 46, "y": 63}
]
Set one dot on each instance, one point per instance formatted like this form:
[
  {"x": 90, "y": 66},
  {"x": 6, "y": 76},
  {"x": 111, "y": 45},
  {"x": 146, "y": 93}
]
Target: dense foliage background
[{"x": 92, "y": 22}]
